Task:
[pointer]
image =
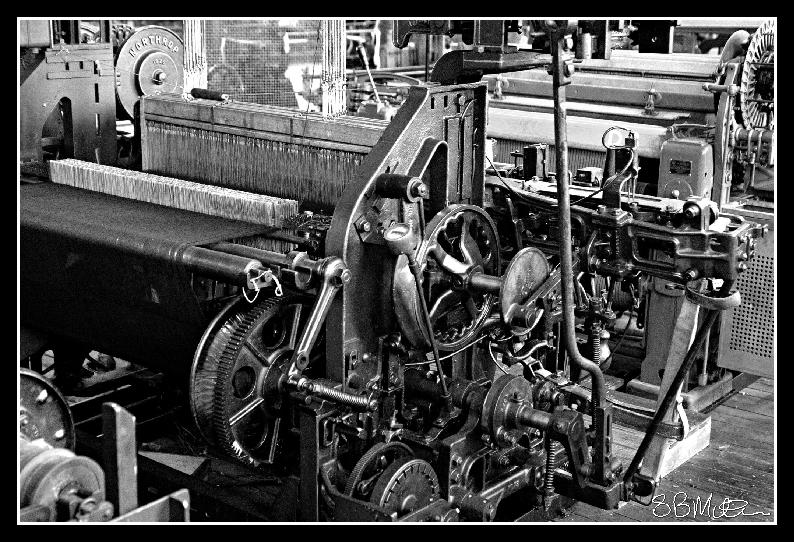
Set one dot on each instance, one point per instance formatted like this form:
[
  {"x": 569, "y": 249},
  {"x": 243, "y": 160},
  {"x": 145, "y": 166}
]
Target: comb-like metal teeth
[
  {"x": 177, "y": 193},
  {"x": 315, "y": 177}
]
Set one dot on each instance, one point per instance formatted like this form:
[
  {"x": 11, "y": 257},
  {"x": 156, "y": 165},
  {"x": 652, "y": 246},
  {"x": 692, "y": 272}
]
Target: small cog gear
[{"x": 405, "y": 486}]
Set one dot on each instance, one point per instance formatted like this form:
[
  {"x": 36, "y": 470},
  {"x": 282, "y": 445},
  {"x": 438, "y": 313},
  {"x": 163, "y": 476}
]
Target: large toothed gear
[
  {"x": 234, "y": 383},
  {"x": 758, "y": 79}
]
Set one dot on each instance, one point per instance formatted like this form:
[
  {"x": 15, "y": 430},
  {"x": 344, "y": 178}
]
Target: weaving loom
[
  {"x": 257, "y": 148},
  {"x": 323, "y": 367}
]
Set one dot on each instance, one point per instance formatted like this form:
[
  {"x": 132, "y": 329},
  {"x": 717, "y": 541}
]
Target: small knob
[{"x": 159, "y": 77}]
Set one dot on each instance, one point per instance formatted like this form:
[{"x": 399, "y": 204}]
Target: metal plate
[
  {"x": 526, "y": 272},
  {"x": 149, "y": 62}
]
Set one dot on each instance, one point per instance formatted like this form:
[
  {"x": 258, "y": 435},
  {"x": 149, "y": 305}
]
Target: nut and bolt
[
  {"x": 419, "y": 190},
  {"x": 559, "y": 426},
  {"x": 365, "y": 227}
]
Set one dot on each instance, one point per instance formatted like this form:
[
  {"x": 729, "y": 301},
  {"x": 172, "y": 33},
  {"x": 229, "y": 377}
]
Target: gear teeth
[{"x": 231, "y": 337}]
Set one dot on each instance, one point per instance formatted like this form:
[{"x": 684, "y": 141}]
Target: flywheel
[
  {"x": 149, "y": 61},
  {"x": 466, "y": 237},
  {"x": 234, "y": 392}
]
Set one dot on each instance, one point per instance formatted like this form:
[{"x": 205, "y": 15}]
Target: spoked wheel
[
  {"x": 459, "y": 237},
  {"x": 234, "y": 383}
]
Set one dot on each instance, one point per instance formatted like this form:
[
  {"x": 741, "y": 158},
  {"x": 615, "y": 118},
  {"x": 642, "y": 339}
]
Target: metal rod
[
  {"x": 427, "y": 57},
  {"x": 417, "y": 273},
  {"x": 363, "y": 52},
  {"x": 218, "y": 265},
  {"x": 564, "y": 211},
  {"x": 672, "y": 392},
  {"x": 267, "y": 257}
]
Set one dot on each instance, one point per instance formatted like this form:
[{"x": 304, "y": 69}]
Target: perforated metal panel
[
  {"x": 753, "y": 322},
  {"x": 747, "y": 334}
]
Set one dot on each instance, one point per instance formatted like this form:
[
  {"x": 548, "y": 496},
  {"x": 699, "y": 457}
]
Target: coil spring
[
  {"x": 595, "y": 343},
  {"x": 357, "y": 402},
  {"x": 552, "y": 461}
]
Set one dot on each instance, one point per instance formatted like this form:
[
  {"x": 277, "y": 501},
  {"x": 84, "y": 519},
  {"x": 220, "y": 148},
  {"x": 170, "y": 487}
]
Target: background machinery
[{"x": 360, "y": 313}]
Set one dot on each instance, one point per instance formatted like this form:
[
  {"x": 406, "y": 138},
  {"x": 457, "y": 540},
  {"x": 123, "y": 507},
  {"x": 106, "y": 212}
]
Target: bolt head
[
  {"x": 559, "y": 426},
  {"x": 365, "y": 227}
]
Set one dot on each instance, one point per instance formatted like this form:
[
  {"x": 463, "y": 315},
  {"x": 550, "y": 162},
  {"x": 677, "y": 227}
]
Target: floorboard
[{"x": 738, "y": 466}]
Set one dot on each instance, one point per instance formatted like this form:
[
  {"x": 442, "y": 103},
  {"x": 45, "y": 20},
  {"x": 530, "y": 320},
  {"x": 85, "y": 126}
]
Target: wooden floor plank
[
  {"x": 738, "y": 465},
  {"x": 763, "y": 384},
  {"x": 751, "y": 392},
  {"x": 750, "y": 403}
]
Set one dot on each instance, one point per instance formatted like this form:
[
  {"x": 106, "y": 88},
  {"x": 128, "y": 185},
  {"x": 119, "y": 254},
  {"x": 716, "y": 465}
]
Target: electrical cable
[
  {"x": 609, "y": 181},
  {"x": 509, "y": 188}
]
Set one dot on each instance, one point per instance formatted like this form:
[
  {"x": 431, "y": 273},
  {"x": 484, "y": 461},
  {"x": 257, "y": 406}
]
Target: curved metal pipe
[{"x": 564, "y": 212}]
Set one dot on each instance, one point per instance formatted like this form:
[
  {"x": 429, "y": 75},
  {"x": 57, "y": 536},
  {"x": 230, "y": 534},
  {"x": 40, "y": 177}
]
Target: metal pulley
[
  {"x": 149, "y": 62},
  {"x": 43, "y": 412},
  {"x": 58, "y": 483}
]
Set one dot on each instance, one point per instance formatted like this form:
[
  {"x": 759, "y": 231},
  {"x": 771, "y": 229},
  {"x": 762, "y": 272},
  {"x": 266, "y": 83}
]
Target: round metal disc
[
  {"x": 45, "y": 476},
  {"x": 527, "y": 271},
  {"x": 43, "y": 412},
  {"x": 158, "y": 74},
  {"x": 503, "y": 391},
  {"x": 405, "y": 486},
  {"x": 150, "y": 61},
  {"x": 369, "y": 463}
]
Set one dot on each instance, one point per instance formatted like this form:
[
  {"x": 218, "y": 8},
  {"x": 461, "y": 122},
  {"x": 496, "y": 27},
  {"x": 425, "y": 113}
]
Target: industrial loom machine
[{"x": 357, "y": 309}]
